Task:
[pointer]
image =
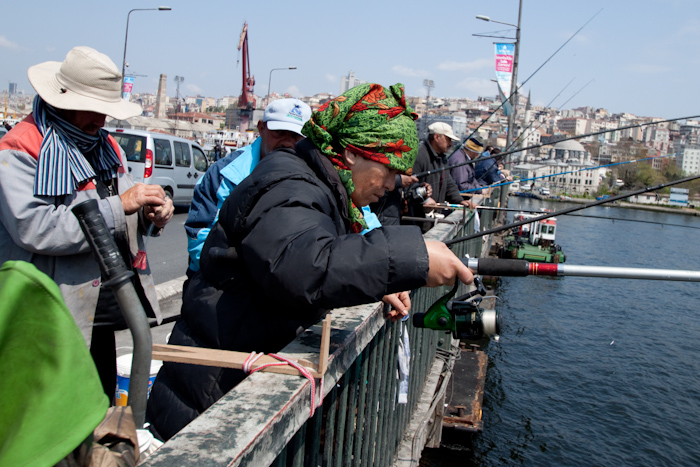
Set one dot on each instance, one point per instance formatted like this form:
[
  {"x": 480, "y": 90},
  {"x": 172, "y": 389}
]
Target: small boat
[{"x": 534, "y": 242}]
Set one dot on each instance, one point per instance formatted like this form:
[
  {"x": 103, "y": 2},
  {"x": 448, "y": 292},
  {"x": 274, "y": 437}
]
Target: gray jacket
[{"x": 42, "y": 230}]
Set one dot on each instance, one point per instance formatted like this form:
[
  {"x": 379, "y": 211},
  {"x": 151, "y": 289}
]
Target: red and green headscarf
[{"x": 368, "y": 120}]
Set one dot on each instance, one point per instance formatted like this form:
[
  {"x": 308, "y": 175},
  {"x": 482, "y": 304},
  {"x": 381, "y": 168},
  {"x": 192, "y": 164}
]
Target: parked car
[
  {"x": 169, "y": 161},
  {"x": 544, "y": 191}
]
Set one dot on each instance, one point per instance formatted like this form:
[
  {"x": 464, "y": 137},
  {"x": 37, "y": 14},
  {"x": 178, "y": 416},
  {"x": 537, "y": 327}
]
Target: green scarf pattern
[{"x": 370, "y": 121}]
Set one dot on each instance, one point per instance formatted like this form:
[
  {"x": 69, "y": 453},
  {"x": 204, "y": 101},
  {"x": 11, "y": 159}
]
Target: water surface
[{"x": 595, "y": 371}]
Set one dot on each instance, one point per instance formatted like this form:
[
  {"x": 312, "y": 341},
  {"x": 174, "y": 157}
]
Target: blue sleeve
[
  {"x": 204, "y": 209},
  {"x": 490, "y": 173},
  {"x": 371, "y": 219}
]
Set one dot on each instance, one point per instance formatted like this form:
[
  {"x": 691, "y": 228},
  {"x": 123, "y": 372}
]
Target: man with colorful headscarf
[{"x": 289, "y": 246}]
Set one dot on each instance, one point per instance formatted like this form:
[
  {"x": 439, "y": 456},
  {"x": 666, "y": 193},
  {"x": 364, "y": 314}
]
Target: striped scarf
[{"x": 61, "y": 166}]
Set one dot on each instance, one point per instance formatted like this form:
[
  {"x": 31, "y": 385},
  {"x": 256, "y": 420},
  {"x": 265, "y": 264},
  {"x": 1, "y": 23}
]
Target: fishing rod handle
[
  {"x": 102, "y": 244},
  {"x": 498, "y": 267}
]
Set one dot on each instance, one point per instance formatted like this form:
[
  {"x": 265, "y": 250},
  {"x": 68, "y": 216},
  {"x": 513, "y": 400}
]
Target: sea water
[{"x": 595, "y": 371}]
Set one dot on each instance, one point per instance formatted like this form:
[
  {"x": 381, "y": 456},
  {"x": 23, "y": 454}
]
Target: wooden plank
[
  {"x": 225, "y": 359},
  {"x": 325, "y": 345},
  {"x": 232, "y": 359}
]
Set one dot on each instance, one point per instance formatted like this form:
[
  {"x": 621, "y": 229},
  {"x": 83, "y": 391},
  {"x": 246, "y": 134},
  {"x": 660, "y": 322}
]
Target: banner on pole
[
  {"x": 128, "y": 86},
  {"x": 505, "y": 54}
]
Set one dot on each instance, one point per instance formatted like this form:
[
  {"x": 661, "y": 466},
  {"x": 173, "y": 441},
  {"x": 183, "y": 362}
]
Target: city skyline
[{"x": 634, "y": 54}]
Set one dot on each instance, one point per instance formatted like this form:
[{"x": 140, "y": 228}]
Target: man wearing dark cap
[{"x": 464, "y": 174}]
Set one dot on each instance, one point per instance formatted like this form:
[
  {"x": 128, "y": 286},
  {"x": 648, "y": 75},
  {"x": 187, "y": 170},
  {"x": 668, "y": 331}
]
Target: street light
[
  {"x": 160, "y": 8},
  {"x": 513, "y": 89},
  {"x": 270, "y": 80},
  {"x": 514, "y": 83}
]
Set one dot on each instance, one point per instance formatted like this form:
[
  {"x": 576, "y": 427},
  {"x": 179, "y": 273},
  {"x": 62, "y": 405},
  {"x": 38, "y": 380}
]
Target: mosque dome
[{"x": 570, "y": 145}]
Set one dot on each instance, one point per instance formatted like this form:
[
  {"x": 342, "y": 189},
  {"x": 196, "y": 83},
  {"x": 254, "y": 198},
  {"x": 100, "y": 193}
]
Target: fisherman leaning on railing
[{"x": 294, "y": 227}]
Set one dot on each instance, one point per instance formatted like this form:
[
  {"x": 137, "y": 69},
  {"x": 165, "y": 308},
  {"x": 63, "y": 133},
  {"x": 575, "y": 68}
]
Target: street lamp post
[
  {"x": 514, "y": 83},
  {"x": 126, "y": 36},
  {"x": 513, "y": 93},
  {"x": 270, "y": 80}
]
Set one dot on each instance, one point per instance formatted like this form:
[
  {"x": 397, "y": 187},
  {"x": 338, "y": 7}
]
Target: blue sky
[{"x": 644, "y": 55}]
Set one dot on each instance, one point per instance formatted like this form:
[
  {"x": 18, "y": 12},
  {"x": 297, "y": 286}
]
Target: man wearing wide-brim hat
[
  {"x": 58, "y": 157},
  {"x": 464, "y": 174}
]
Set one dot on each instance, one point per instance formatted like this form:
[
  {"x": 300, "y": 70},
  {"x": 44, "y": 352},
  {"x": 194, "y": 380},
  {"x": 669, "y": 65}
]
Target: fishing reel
[
  {"x": 462, "y": 316},
  {"x": 417, "y": 194}
]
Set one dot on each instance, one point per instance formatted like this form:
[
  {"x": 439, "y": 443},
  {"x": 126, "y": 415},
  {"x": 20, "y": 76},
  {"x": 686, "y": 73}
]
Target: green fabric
[
  {"x": 51, "y": 397},
  {"x": 368, "y": 120}
]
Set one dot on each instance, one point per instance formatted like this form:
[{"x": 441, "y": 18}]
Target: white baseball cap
[
  {"x": 442, "y": 128},
  {"x": 287, "y": 114}
]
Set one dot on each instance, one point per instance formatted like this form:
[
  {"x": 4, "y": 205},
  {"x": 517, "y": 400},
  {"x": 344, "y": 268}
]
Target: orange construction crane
[{"x": 247, "y": 99}]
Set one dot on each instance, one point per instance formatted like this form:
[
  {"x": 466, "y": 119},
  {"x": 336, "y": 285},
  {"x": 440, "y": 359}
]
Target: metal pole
[
  {"x": 270, "y": 79},
  {"x": 503, "y": 198},
  {"x": 126, "y": 36},
  {"x": 514, "y": 83}
]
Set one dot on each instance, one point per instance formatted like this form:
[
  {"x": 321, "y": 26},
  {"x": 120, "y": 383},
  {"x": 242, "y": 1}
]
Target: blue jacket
[
  {"x": 210, "y": 193},
  {"x": 486, "y": 170}
]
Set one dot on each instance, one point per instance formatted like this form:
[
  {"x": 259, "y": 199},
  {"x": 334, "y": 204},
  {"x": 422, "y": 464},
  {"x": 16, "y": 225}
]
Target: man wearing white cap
[
  {"x": 432, "y": 157},
  {"x": 58, "y": 157},
  {"x": 280, "y": 127}
]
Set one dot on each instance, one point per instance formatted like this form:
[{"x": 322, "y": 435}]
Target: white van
[
  {"x": 160, "y": 159},
  {"x": 544, "y": 191}
]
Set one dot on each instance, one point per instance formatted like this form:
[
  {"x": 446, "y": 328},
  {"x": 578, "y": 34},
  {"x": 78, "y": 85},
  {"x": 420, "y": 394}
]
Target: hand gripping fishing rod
[{"x": 568, "y": 210}]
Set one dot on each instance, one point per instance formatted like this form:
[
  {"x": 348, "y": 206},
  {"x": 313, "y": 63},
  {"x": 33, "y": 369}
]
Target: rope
[{"x": 254, "y": 356}]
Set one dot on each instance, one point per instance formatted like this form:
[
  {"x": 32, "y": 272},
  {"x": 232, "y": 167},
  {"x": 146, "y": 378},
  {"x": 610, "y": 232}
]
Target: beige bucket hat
[{"x": 85, "y": 80}]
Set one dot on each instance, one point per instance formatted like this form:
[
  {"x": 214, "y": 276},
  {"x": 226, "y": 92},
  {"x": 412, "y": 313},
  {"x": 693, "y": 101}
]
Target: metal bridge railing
[{"x": 265, "y": 419}]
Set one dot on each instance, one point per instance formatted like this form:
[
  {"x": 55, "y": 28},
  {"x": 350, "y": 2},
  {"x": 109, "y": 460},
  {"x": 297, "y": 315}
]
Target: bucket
[{"x": 121, "y": 395}]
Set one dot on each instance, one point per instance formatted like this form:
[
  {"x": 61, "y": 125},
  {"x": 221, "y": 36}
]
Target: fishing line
[
  {"x": 566, "y": 211},
  {"x": 567, "y": 172},
  {"x": 550, "y": 143},
  {"x": 488, "y": 208},
  {"x": 520, "y": 138},
  {"x": 517, "y": 88}
]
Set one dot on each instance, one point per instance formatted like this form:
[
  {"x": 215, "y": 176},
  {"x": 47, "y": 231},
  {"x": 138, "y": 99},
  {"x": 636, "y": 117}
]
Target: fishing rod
[
  {"x": 519, "y": 268},
  {"x": 517, "y": 88},
  {"x": 466, "y": 319},
  {"x": 519, "y": 139},
  {"x": 551, "y": 143},
  {"x": 568, "y": 210},
  {"x": 489, "y": 208},
  {"x": 567, "y": 172}
]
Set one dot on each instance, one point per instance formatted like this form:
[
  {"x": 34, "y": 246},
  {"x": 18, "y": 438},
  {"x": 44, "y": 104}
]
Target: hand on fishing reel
[{"x": 461, "y": 316}]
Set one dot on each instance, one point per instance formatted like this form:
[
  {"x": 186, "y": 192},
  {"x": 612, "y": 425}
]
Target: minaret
[
  {"x": 527, "y": 106},
  {"x": 161, "y": 98}
]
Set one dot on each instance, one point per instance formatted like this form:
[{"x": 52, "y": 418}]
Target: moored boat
[{"x": 535, "y": 242}]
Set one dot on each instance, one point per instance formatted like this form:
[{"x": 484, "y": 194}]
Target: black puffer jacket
[{"x": 288, "y": 229}]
